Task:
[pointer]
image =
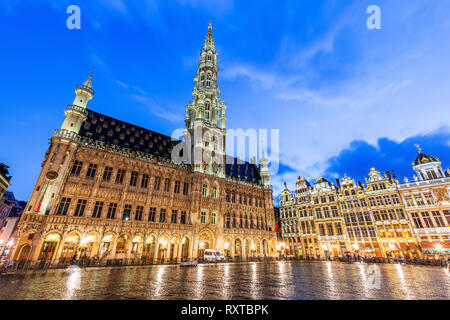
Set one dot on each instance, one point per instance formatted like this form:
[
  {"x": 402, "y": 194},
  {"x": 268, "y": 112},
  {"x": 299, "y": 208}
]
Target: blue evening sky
[{"x": 344, "y": 97}]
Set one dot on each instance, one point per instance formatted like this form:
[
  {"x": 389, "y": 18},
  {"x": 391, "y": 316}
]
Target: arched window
[
  {"x": 203, "y": 217},
  {"x": 205, "y": 190},
  {"x": 213, "y": 218}
]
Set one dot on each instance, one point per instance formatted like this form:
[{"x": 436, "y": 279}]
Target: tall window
[
  {"x": 438, "y": 218},
  {"x": 338, "y": 227},
  {"x": 92, "y": 168},
  {"x": 173, "y": 218},
  {"x": 416, "y": 219},
  {"x": 162, "y": 215},
  {"x": 183, "y": 217},
  {"x": 330, "y": 229},
  {"x": 326, "y": 212},
  {"x": 133, "y": 178},
  {"x": 107, "y": 174},
  {"x": 205, "y": 190},
  {"x": 214, "y": 218},
  {"x": 63, "y": 207},
  {"x": 334, "y": 210},
  {"x": 379, "y": 201},
  {"x": 98, "y": 207},
  {"x": 319, "y": 213},
  {"x": 185, "y": 188},
  {"x": 203, "y": 217},
  {"x": 400, "y": 214},
  {"x": 138, "y": 214},
  {"x": 152, "y": 214},
  {"x": 447, "y": 216},
  {"x": 166, "y": 184},
  {"x": 76, "y": 168},
  {"x": 428, "y": 198},
  {"x": 395, "y": 199},
  {"x": 126, "y": 212},
  {"x": 156, "y": 183},
  {"x": 144, "y": 181},
  {"x": 176, "y": 188},
  {"x": 119, "y": 176},
  {"x": 111, "y": 210},
  {"x": 426, "y": 217},
  {"x": 321, "y": 229},
  {"x": 79, "y": 210},
  {"x": 215, "y": 192}
]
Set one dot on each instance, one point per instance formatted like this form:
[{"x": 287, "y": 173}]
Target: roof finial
[
  {"x": 418, "y": 147},
  {"x": 88, "y": 82},
  {"x": 209, "y": 41}
]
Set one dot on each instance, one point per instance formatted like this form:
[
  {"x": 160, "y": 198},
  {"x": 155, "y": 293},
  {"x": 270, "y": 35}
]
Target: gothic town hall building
[{"x": 109, "y": 190}]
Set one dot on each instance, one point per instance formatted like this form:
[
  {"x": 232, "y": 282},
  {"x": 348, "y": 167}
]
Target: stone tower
[{"x": 205, "y": 116}]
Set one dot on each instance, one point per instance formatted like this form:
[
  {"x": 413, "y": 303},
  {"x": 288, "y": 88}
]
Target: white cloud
[
  {"x": 157, "y": 109},
  {"x": 398, "y": 89}
]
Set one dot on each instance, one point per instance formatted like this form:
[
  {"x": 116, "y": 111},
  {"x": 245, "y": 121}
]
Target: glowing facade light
[
  {"x": 438, "y": 247},
  {"x": 227, "y": 245}
]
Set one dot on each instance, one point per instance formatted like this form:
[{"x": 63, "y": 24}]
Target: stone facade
[
  {"x": 109, "y": 190},
  {"x": 382, "y": 218}
]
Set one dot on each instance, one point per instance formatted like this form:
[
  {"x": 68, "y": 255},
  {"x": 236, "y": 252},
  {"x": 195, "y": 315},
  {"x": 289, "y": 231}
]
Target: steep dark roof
[
  {"x": 112, "y": 131},
  {"x": 424, "y": 158},
  {"x": 242, "y": 170}
]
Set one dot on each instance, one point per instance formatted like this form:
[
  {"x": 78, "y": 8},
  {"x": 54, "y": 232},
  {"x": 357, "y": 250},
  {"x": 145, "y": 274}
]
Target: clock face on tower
[{"x": 52, "y": 175}]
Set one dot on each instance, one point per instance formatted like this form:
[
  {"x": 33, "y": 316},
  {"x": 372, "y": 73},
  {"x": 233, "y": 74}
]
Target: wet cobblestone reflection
[{"x": 278, "y": 280}]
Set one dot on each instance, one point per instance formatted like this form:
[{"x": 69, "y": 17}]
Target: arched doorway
[
  {"x": 227, "y": 247},
  {"x": 87, "y": 245},
  {"x": 136, "y": 246},
  {"x": 106, "y": 245},
  {"x": 49, "y": 246},
  {"x": 122, "y": 245},
  {"x": 238, "y": 248},
  {"x": 265, "y": 247},
  {"x": 205, "y": 241},
  {"x": 173, "y": 252},
  {"x": 247, "y": 248},
  {"x": 272, "y": 248},
  {"x": 162, "y": 250},
  {"x": 149, "y": 249},
  {"x": 70, "y": 246},
  {"x": 24, "y": 253},
  {"x": 185, "y": 248}
]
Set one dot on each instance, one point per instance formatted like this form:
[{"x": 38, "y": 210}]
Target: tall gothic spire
[{"x": 209, "y": 41}]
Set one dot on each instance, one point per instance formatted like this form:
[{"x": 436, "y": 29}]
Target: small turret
[
  {"x": 264, "y": 170},
  {"x": 76, "y": 113},
  {"x": 427, "y": 167}
]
